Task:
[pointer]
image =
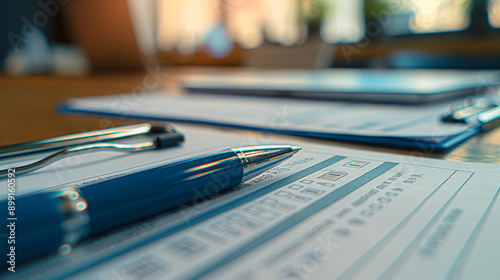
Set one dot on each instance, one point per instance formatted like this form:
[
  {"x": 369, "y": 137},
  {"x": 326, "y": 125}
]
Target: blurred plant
[{"x": 424, "y": 16}]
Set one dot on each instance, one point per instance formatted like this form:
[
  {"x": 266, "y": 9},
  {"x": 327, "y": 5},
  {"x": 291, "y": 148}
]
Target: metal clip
[
  {"x": 161, "y": 137},
  {"x": 483, "y": 112}
]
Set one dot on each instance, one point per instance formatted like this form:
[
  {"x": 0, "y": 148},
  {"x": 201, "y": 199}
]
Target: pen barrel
[
  {"x": 54, "y": 220},
  {"x": 141, "y": 195},
  {"x": 34, "y": 229}
]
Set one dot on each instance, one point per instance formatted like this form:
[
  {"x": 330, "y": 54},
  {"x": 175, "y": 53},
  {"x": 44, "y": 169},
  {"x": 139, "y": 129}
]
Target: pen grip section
[
  {"x": 144, "y": 194},
  {"x": 34, "y": 228}
]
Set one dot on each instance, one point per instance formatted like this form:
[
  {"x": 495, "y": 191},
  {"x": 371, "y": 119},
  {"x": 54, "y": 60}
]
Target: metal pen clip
[
  {"x": 483, "y": 112},
  {"x": 161, "y": 137}
]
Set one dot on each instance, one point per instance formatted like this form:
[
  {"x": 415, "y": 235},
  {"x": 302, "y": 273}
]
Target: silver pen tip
[{"x": 296, "y": 149}]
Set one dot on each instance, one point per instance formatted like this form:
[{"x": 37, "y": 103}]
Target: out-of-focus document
[
  {"x": 412, "y": 127},
  {"x": 327, "y": 213},
  {"x": 403, "y": 86}
]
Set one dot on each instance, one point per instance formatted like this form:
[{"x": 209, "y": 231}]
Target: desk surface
[{"x": 28, "y": 112}]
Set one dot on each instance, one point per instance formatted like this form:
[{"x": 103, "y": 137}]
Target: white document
[{"x": 326, "y": 213}]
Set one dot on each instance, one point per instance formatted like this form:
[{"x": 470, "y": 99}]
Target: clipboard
[
  {"x": 396, "y": 126},
  {"x": 445, "y": 185}
]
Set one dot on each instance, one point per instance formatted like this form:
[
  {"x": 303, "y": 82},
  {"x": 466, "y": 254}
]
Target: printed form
[{"x": 327, "y": 213}]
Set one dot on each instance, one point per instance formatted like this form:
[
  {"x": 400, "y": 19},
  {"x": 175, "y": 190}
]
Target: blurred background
[{"x": 77, "y": 37}]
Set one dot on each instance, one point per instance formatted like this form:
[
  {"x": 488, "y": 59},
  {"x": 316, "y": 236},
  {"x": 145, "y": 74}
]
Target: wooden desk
[{"x": 28, "y": 112}]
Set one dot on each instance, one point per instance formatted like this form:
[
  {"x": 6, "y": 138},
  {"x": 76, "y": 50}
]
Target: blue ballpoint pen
[{"x": 56, "y": 219}]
